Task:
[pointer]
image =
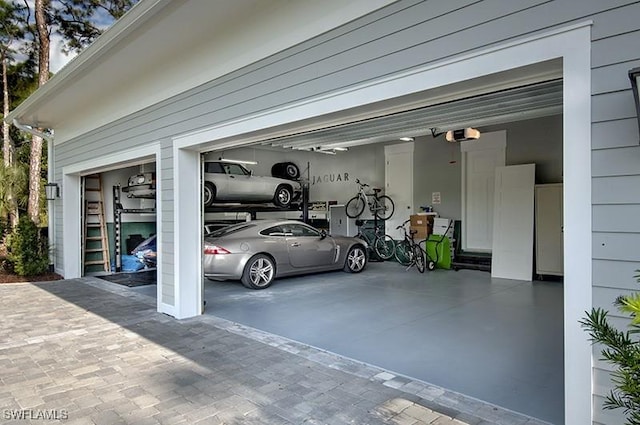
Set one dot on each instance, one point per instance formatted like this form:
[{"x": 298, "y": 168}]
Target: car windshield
[
  {"x": 235, "y": 169},
  {"x": 230, "y": 229}
]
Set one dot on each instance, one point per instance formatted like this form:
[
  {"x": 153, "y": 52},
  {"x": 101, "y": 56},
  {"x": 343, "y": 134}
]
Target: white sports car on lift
[{"x": 231, "y": 182}]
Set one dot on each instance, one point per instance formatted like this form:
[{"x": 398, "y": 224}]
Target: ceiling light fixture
[
  {"x": 237, "y": 161},
  {"x": 462, "y": 135},
  {"x": 407, "y": 139},
  {"x": 324, "y": 151},
  {"x": 340, "y": 149}
]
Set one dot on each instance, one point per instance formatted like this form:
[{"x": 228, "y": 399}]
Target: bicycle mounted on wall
[{"x": 381, "y": 207}]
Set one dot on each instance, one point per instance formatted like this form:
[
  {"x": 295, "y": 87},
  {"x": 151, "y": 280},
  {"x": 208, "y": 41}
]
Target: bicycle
[
  {"x": 408, "y": 252},
  {"x": 382, "y": 245},
  {"x": 381, "y": 206}
]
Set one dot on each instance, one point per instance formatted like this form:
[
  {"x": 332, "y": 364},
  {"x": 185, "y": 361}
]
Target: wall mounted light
[
  {"x": 407, "y": 139},
  {"x": 52, "y": 191},
  {"x": 634, "y": 76},
  {"x": 237, "y": 161}
]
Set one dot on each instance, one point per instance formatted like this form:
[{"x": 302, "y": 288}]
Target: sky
[{"x": 58, "y": 59}]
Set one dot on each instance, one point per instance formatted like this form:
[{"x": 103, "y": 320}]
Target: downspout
[{"x": 50, "y": 216}]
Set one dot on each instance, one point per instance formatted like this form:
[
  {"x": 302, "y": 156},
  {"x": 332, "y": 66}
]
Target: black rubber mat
[{"x": 143, "y": 277}]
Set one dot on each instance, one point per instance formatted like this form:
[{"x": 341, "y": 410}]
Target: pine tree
[
  {"x": 10, "y": 32},
  {"x": 78, "y": 22}
]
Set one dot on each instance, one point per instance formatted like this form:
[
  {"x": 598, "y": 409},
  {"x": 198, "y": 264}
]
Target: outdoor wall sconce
[
  {"x": 634, "y": 76},
  {"x": 52, "y": 191}
]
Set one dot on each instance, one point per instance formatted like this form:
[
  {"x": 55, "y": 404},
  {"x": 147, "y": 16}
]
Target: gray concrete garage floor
[
  {"x": 88, "y": 351},
  {"x": 497, "y": 340}
]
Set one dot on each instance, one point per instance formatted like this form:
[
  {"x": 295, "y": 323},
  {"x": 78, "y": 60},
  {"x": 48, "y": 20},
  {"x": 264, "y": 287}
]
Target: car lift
[
  {"x": 253, "y": 209},
  {"x": 118, "y": 210}
]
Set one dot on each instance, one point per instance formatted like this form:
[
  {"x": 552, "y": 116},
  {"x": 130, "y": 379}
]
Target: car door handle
[{"x": 295, "y": 244}]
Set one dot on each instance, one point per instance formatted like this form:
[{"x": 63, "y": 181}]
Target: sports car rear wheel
[
  {"x": 356, "y": 259},
  {"x": 258, "y": 272}
]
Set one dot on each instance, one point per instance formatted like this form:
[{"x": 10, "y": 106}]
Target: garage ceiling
[{"x": 514, "y": 104}]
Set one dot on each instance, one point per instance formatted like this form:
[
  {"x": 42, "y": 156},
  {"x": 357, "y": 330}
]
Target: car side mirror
[{"x": 323, "y": 234}]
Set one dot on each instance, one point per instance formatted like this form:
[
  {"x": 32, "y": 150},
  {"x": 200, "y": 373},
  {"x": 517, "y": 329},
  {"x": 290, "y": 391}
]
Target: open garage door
[
  {"x": 426, "y": 319},
  {"x": 119, "y": 224}
]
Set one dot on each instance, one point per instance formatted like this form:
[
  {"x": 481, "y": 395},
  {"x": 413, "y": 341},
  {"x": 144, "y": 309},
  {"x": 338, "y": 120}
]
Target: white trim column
[{"x": 188, "y": 230}]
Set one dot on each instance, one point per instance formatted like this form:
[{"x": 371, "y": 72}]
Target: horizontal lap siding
[{"x": 616, "y": 175}]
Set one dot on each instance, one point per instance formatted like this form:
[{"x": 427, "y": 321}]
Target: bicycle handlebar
[{"x": 361, "y": 184}]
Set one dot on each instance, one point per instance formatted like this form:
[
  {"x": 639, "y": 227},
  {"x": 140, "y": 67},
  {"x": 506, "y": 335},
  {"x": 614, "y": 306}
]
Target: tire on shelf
[{"x": 285, "y": 170}]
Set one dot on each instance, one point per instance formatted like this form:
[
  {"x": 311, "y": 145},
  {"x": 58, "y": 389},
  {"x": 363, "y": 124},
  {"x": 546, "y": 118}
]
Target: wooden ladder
[{"x": 96, "y": 244}]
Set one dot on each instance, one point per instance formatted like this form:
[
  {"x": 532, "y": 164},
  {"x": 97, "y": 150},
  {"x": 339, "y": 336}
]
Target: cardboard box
[
  {"x": 422, "y": 224},
  {"x": 421, "y": 233}
]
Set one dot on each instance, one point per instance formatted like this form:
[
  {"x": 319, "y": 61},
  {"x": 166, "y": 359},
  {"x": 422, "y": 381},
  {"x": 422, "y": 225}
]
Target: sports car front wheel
[
  {"x": 356, "y": 259},
  {"x": 258, "y": 272}
]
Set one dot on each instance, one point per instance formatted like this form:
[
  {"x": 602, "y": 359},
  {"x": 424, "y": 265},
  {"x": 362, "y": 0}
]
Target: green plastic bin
[{"x": 439, "y": 250}]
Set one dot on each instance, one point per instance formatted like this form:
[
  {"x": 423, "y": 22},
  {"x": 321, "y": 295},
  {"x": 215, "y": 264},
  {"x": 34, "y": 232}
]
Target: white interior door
[
  {"x": 512, "y": 256},
  {"x": 399, "y": 184},
  {"x": 479, "y": 161}
]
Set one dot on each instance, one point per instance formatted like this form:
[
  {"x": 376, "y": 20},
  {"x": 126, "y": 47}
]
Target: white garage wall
[
  {"x": 536, "y": 141},
  {"x": 331, "y": 177}
]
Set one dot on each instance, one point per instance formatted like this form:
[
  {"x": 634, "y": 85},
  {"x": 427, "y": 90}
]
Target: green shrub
[
  {"x": 622, "y": 349},
  {"x": 27, "y": 250}
]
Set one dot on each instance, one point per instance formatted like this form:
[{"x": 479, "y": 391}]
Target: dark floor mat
[{"x": 141, "y": 278}]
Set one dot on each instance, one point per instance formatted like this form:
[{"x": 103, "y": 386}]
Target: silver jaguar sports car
[{"x": 256, "y": 252}]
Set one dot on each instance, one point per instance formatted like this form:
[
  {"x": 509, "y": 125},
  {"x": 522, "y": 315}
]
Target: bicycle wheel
[
  {"x": 403, "y": 253},
  {"x": 385, "y": 207},
  {"x": 430, "y": 263},
  {"x": 354, "y": 207},
  {"x": 418, "y": 256},
  {"x": 384, "y": 247}
]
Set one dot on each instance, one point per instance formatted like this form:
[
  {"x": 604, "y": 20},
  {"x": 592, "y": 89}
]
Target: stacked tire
[{"x": 285, "y": 170}]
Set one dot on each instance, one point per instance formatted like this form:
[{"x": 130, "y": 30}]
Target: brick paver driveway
[{"x": 87, "y": 351}]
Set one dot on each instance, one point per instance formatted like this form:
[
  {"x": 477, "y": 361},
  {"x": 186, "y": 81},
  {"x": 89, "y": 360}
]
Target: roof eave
[{"x": 139, "y": 13}]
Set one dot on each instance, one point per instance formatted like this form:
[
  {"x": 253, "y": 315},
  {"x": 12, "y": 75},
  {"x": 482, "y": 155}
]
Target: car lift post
[{"x": 118, "y": 210}]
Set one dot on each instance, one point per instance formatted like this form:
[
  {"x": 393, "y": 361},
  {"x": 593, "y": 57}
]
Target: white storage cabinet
[{"x": 549, "y": 226}]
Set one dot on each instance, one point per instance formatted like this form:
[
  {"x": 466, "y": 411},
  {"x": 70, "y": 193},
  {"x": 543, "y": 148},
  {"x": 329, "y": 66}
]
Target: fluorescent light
[
  {"x": 237, "y": 161},
  {"x": 407, "y": 139},
  {"x": 340, "y": 149}
]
